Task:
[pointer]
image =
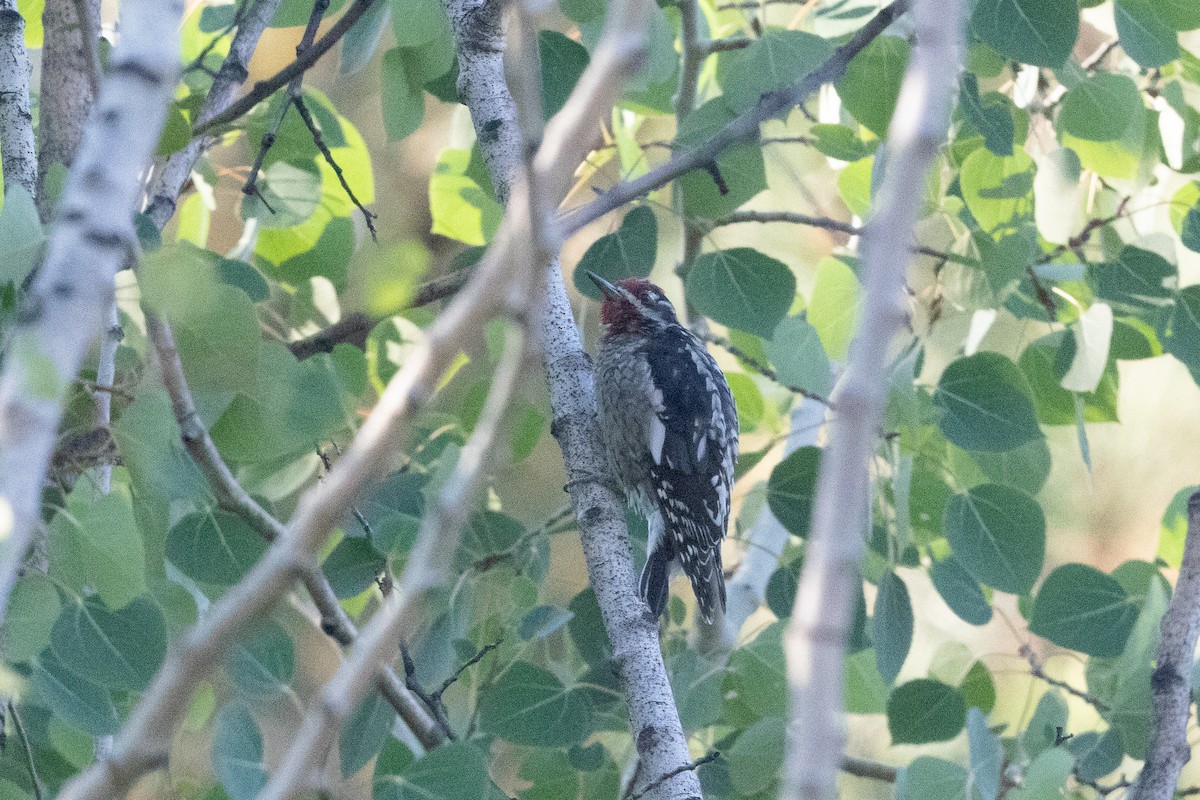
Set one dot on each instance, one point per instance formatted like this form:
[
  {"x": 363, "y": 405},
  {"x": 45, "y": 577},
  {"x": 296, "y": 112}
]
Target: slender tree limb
[
  {"x": 171, "y": 175},
  {"x": 265, "y": 88},
  {"x": 16, "y": 121},
  {"x": 692, "y": 61},
  {"x": 862, "y": 768},
  {"x": 829, "y": 583},
  {"x": 141, "y": 745},
  {"x": 88, "y": 14},
  {"x": 232, "y": 497},
  {"x": 691, "y": 766},
  {"x": 319, "y": 141},
  {"x": 741, "y": 129},
  {"x": 1038, "y": 670},
  {"x": 764, "y": 369},
  {"x": 67, "y": 91},
  {"x": 1170, "y": 683},
  {"x": 65, "y": 307},
  {"x": 356, "y": 326},
  {"x": 722, "y": 45},
  {"x": 427, "y": 567}
]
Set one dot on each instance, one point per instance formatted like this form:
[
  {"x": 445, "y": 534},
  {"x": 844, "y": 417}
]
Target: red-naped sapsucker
[{"x": 670, "y": 428}]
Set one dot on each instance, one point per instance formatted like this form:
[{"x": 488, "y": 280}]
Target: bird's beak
[{"x": 606, "y": 288}]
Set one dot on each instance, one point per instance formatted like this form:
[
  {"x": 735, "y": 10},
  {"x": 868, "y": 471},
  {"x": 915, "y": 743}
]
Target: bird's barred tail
[
  {"x": 656, "y": 580},
  {"x": 704, "y": 570}
]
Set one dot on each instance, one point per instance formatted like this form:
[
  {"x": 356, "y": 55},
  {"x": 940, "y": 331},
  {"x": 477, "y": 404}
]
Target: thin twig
[
  {"x": 315, "y": 130},
  {"x": 862, "y": 768},
  {"x": 265, "y": 88},
  {"x": 38, "y": 791},
  {"x": 742, "y": 128},
  {"x": 706, "y": 48},
  {"x": 1037, "y": 670},
  {"x": 470, "y": 662},
  {"x": 198, "y": 62},
  {"x": 763, "y": 369},
  {"x": 691, "y": 766},
  {"x": 435, "y": 705}
]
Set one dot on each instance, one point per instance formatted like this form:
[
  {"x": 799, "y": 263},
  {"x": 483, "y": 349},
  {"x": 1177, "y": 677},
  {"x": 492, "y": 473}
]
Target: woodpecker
[{"x": 670, "y": 428}]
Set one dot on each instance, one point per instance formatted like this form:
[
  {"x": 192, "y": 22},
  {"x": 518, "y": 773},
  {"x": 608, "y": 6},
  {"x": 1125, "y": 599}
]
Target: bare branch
[
  {"x": 1170, "y": 683},
  {"x": 16, "y": 122},
  {"x": 1037, "y": 670},
  {"x": 38, "y": 790},
  {"x": 829, "y": 584},
  {"x": 171, "y": 175},
  {"x": 861, "y": 768},
  {"x": 65, "y": 307},
  {"x": 741, "y": 129},
  {"x": 232, "y": 497},
  {"x": 141, "y": 745},
  {"x": 265, "y": 88},
  {"x": 427, "y": 568}
]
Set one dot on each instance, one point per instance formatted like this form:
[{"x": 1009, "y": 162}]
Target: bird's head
[{"x": 633, "y": 304}]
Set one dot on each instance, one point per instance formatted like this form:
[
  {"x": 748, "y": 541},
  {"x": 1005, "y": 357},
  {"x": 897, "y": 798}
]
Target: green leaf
[
  {"x": 987, "y": 755},
  {"x": 1172, "y": 531},
  {"x": 453, "y": 771},
  {"x": 696, "y": 683},
  {"x": 362, "y": 40},
  {"x": 871, "y": 85},
  {"x": 79, "y": 702},
  {"x": 757, "y": 674},
  {"x": 293, "y": 13},
  {"x": 866, "y": 693},
  {"x": 288, "y": 194},
  {"x": 402, "y": 96},
  {"x": 1048, "y": 719},
  {"x": 1087, "y": 109},
  {"x": 1096, "y": 754},
  {"x": 992, "y": 118},
  {"x": 740, "y": 168},
  {"x": 119, "y": 649},
  {"x": 32, "y": 609},
  {"x": 1183, "y": 330},
  {"x": 978, "y": 689},
  {"x": 551, "y": 775},
  {"x": 1026, "y": 467},
  {"x": 263, "y": 665},
  {"x": 998, "y": 534},
  {"x": 1046, "y": 778},
  {"x": 928, "y": 778},
  {"x": 543, "y": 621},
  {"x": 1038, "y": 32},
  {"x": 840, "y": 142},
  {"x": 960, "y": 591},
  {"x": 1145, "y": 34},
  {"x": 587, "y": 628},
  {"x": 95, "y": 543},
  {"x": 792, "y": 487},
  {"x": 1044, "y": 363},
  {"x": 833, "y": 309},
  {"x": 1139, "y": 278},
  {"x": 293, "y": 406},
  {"x": 892, "y": 628},
  {"x": 924, "y": 711},
  {"x": 1081, "y": 608},
  {"x": 460, "y": 207},
  {"x": 364, "y": 733},
  {"x": 628, "y": 252},
  {"x": 748, "y": 399},
  {"x": 773, "y": 61},
  {"x": 415, "y": 22},
  {"x": 799, "y": 359},
  {"x": 530, "y": 706},
  {"x": 21, "y": 236},
  {"x": 352, "y": 566},
  {"x": 741, "y": 288},
  {"x": 563, "y": 60},
  {"x": 237, "y": 753},
  {"x": 756, "y": 756},
  {"x": 984, "y": 404},
  {"x": 998, "y": 190},
  {"x": 214, "y": 547}
]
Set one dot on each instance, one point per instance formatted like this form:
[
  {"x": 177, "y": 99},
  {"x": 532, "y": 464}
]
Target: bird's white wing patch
[{"x": 658, "y": 436}]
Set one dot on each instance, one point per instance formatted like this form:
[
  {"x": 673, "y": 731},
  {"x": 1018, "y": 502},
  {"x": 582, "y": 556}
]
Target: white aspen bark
[
  {"x": 92, "y": 239},
  {"x": 67, "y": 95},
  {"x": 633, "y": 634},
  {"x": 16, "y": 123},
  {"x": 170, "y": 176},
  {"x": 1170, "y": 683},
  {"x": 829, "y": 583}
]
